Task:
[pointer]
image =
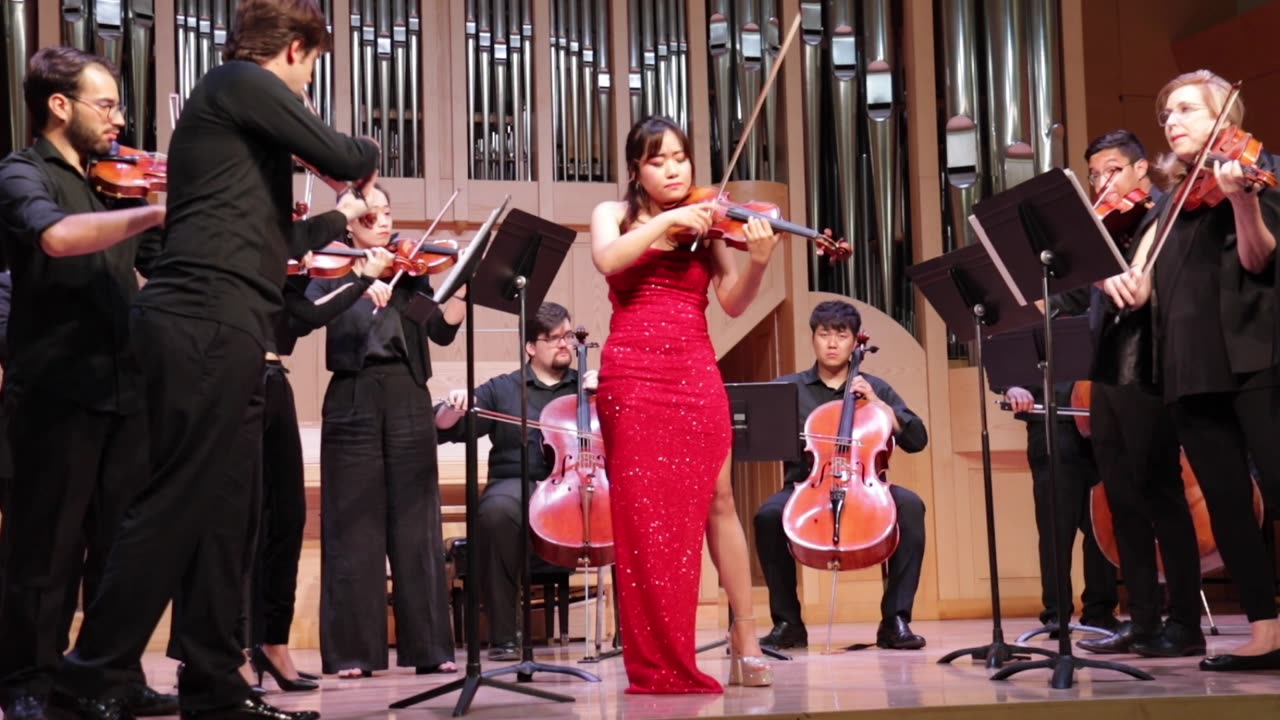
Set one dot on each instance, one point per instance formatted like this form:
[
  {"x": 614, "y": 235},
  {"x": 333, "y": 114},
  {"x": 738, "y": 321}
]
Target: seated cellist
[{"x": 835, "y": 325}]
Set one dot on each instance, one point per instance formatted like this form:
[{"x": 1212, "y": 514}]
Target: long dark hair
[{"x": 644, "y": 140}]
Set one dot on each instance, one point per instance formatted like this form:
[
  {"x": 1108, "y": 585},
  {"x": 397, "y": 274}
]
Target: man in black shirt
[
  {"x": 835, "y": 325},
  {"x": 548, "y": 374},
  {"x": 1076, "y": 476},
  {"x": 200, "y": 326},
  {"x": 72, "y": 388}
]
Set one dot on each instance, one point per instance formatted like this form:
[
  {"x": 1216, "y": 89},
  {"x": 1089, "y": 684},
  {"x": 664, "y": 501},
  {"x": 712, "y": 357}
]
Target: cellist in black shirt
[
  {"x": 72, "y": 387},
  {"x": 1213, "y": 295},
  {"x": 200, "y": 326}
]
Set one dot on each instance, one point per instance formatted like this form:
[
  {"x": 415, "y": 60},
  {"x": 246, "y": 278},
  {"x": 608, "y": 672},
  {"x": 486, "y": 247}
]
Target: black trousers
[
  {"x": 780, "y": 567},
  {"x": 183, "y": 537},
  {"x": 1076, "y": 475},
  {"x": 75, "y": 472},
  {"x": 499, "y": 547},
  {"x": 1136, "y": 448},
  {"x": 1219, "y": 432},
  {"x": 380, "y": 499},
  {"x": 284, "y": 513}
]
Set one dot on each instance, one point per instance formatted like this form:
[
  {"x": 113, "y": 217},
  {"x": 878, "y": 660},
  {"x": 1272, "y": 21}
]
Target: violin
[
  {"x": 129, "y": 173},
  {"x": 1233, "y": 144},
  {"x": 421, "y": 257},
  {"x": 1125, "y": 213},
  {"x": 843, "y": 517},
  {"x": 569, "y": 512},
  {"x": 730, "y": 222},
  {"x": 331, "y": 261}
]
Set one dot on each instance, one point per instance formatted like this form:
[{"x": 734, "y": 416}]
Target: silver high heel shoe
[{"x": 747, "y": 670}]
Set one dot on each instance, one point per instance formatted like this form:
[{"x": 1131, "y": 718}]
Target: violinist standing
[
  {"x": 380, "y": 485},
  {"x": 1213, "y": 295},
  {"x": 72, "y": 386},
  {"x": 200, "y": 327},
  {"x": 1134, "y": 441},
  {"x": 549, "y": 374},
  {"x": 664, "y": 415},
  {"x": 835, "y": 325}
]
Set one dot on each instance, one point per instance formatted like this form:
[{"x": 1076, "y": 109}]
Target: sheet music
[{"x": 465, "y": 263}]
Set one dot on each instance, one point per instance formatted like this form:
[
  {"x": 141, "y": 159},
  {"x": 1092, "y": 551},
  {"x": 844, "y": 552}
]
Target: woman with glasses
[
  {"x": 1213, "y": 296},
  {"x": 380, "y": 492}
]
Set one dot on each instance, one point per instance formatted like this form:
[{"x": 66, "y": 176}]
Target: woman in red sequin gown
[{"x": 664, "y": 415}]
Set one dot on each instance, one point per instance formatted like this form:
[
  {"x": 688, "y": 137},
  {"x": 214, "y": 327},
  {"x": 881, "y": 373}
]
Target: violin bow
[
  {"x": 1111, "y": 180},
  {"x": 423, "y": 239},
  {"x": 755, "y": 112},
  {"x": 1185, "y": 191}
]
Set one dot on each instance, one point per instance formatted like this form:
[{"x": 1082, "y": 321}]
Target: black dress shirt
[
  {"x": 1215, "y": 321},
  {"x": 358, "y": 338},
  {"x": 502, "y": 394},
  {"x": 813, "y": 393},
  {"x": 6, "y": 290},
  {"x": 68, "y": 330},
  {"x": 228, "y": 230},
  {"x": 299, "y": 315}
]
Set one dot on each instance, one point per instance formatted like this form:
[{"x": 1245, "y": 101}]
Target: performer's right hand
[
  {"x": 696, "y": 216},
  {"x": 1020, "y": 400},
  {"x": 456, "y": 400},
  {"x": 1131, "y": 288},
  {"x": 375, "y": 262}
]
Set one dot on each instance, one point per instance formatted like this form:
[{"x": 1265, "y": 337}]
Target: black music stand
[
  {"x": 765, "y": 417},
  {"x": 966, "y": 289},
  {"x": 464, "y": 273},
  {"x": 1017, "y": 358},
  {"x": 518, "y": 272},
  {"x": 1046, "y": 227}
]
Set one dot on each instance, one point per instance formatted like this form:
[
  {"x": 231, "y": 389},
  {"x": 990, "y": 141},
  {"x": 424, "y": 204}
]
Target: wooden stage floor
[{"x": 869, "y": 683}]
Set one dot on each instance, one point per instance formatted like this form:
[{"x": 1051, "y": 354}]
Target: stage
[{"x": 869, "y": 683}]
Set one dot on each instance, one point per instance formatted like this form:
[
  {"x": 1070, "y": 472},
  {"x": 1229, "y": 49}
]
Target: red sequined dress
[{"x": 664, "y": 415}]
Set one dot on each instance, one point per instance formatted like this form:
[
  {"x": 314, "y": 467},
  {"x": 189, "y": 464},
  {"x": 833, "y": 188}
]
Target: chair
[{"x": 553, "y": 582}]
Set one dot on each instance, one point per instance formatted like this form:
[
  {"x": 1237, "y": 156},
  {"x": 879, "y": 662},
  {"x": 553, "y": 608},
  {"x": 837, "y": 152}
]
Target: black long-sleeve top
[
  {"x": 358, "y": 338},
  {"x": 228, "y": 227},
  {"x": 299, "y": 314},
  {"x": 502, "y": 394},
  {"x": 68, "y": 330},
  {"x": 912, "y": 437}
]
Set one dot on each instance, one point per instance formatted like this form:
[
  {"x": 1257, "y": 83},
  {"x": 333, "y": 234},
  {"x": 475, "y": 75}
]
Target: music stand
[
  {"x": 464, "y": 272},
  {"x": 1047, "y": 227},
  {"x": 1016, "y": 361},
  {"x": 765, "y": 417},
  {"x": 966, "y": 289}
]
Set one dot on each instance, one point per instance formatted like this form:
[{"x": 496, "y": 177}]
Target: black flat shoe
[
  {"x": 785, "y": 635},
  {"x": 1173, "y": 640},
  {"x": 91, "y": 708},
  {"x": 895, "y": 634},
  {"x": 250, "y": 709},
  {"x": 142, "y": 701},
  {"x": 1234, "y": 663},
  {"x": 435, "y": 670},
  {"x": 504, "y": 652},
  {"x": 263, "y": 665}
]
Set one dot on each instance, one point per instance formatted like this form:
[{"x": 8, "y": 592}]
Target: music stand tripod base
[{"x": 1052, "y": 628}]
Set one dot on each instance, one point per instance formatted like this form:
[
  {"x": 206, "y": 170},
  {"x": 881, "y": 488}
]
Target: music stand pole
[
  {"x": 998, "y": 651},
  {"x": 1064, "y": 665}
]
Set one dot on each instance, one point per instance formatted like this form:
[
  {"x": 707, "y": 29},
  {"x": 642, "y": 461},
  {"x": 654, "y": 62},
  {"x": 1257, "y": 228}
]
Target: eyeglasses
[
  {"x": 1183, "y": 110},
  {"x": 106, "y": 108},
  {"x": 1095, "y": 178},
  {"x": 556, "y": 339}
]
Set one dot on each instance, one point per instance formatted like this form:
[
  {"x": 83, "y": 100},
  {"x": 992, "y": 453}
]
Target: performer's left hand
[
  {"x": 1231, "y": 180},
  {"x": 591, "y": 380},
  {"x": 761, "y": 240}
]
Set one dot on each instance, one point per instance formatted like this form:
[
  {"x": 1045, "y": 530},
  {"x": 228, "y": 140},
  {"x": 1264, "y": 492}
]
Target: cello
[
  {"x": 570, "y": 520},
  {"x": 842, "y": 517}
]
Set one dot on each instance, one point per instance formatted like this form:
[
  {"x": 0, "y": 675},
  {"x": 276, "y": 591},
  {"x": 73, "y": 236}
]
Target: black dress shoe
[
  {"x": 250, "y": 708},
  {"x": 92, "y": 708},
  {"x": 1119, "y": 642},
  {"x": 785, "y": 635},
  {"x": 24, "y": 707},
  {"x": 895, "y": 634},
  {"x": 1233, "y": 663},
  {"x": 1173, "y": 640},
  {"x": 142, "y": 701},
  {"x": 504, "y": 652}
]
